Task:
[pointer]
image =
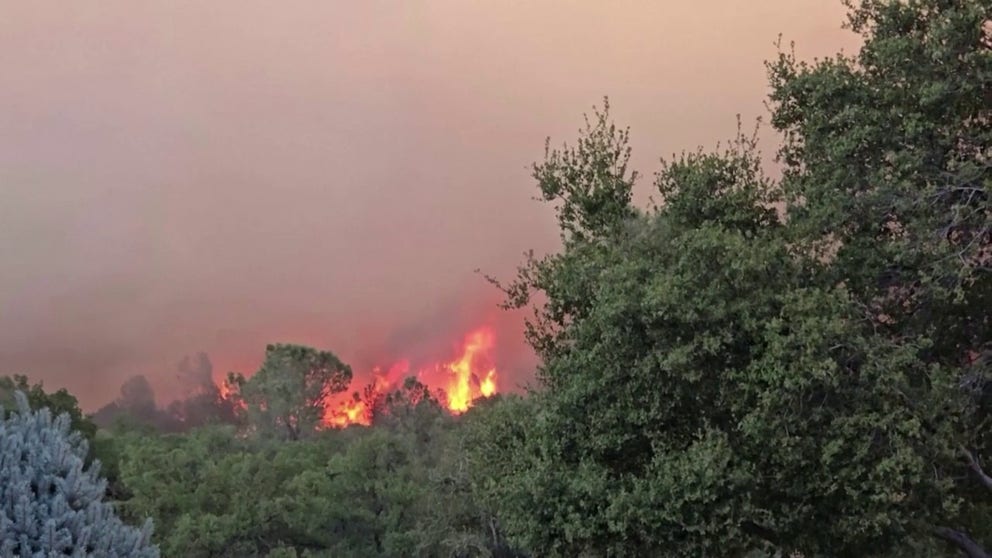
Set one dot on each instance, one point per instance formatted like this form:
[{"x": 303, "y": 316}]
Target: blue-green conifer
[{"x": 51, "y": 503}]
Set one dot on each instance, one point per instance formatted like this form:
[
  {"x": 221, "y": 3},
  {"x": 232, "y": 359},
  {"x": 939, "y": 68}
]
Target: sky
[{"x": 180, "y": 176}]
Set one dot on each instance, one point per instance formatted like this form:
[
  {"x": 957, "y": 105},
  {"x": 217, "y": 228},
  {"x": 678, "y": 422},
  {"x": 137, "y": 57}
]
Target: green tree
[
  {"x": 287, "y": 396},
  {"x": 446, "y": 517},
  {"x": 353, "y": 493},
  {"x": 489, "y": 454},
  {"x": 888, "y": 171},
  {"x": 705, "y": 391},
  {"x": 374, "y": 498},
  {"x": 645, "y": 318},
  {"x": 57, "y": 402},
  {"x": 888, "y": 165},
  {"x": 412, "y": 407},
  {"x": 194, "y": 485}
]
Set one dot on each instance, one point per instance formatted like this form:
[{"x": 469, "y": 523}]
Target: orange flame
[
  {"x": 224, "y": 389},
  {"x": 488, "y": 385},
  {"x": 356, "y": 410},
  {"x": 353, "y": 411},
  {"x": 466, "y": 385},
  {"x": 469, "y": 376}
]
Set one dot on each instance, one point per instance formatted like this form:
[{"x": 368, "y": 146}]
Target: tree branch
[
  {"x": 967, "y": 545},
  {"x": 760, "y": 531},
  {"x": 977, "y": 469}
]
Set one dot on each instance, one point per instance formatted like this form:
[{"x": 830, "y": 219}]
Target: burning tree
[
  {"x": 468, "y": 375},
  {"x": 288, "y": 394}
]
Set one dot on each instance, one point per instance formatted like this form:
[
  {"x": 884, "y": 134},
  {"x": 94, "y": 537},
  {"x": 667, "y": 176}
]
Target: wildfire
[
  {"x": 353, "y": 411},
  {"x": 224, "y": 390},
  {"x": 470, "y": 375},
  {"x": 457, "y": 383},
  {"x": 465, "y": 384}
]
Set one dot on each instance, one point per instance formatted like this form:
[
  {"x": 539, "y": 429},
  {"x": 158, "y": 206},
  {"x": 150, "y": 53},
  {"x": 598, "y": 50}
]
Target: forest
[{"x": 796, "y": 366}]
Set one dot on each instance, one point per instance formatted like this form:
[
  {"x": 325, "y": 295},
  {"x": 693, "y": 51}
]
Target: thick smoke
[
  {"x": 439, "y": 335},
  {"x": 216, "y": 176},
  {"x": 201, "y": 402}
]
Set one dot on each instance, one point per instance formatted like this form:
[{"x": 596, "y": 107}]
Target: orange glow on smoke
[{"x": 468, "y": 376}]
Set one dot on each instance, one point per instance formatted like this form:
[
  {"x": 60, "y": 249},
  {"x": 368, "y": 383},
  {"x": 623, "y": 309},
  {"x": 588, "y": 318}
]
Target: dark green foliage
[
  {"x": 590, "y": 182},
  {"x": 58, "y": 402},
  {"x": 888, "y": 167},
  {"x": 717, "y": 381},
  {"x": 389, "y": 491},
  {"x": 214, "y": 494},
  {"x": 287, "y": 396},
  {"x": 888, "y": 174}
]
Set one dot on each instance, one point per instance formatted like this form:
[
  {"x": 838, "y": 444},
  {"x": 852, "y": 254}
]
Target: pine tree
[{"x": 51, "y": 504}]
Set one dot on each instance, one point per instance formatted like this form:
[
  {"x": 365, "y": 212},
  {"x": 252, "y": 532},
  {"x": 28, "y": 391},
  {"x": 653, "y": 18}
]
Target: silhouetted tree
[
  {"x": 288, "y": 395},
  {"x": 201, "y": 402}
]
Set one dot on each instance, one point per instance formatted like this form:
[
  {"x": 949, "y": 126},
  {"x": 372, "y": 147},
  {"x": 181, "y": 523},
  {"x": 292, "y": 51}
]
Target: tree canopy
[
  {"x": 287, "y": 396},
  {"x": 718, "y": 378}
]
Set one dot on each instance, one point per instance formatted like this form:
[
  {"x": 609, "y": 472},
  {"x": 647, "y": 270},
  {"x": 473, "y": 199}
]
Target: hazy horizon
[{"x": 178, "y": 177}]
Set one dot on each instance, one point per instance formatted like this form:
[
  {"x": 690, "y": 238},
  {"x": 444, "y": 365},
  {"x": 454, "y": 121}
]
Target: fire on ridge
[
  {"x": 468, "y": 374},
  {"x": 458, "y": 379}
]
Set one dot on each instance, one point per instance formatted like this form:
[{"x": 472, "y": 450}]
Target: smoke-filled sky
[{"x": 178, "y": 176}]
